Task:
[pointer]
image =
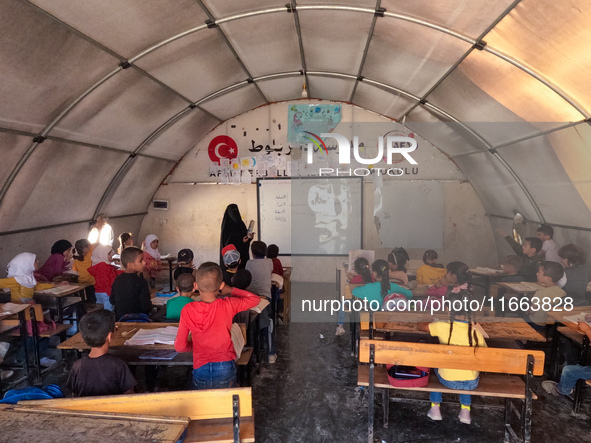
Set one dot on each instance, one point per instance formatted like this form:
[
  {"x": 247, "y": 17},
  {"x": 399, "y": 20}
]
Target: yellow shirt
[
  {"x": 18, "y": 292},
  {"x": 428, "y": 275},
  {"x": 459, "y": 337},
  {"x": 81, "y": 267}
]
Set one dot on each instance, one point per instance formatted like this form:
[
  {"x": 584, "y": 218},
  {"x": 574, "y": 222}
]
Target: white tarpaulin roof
[{"x": 100, "y": 96}]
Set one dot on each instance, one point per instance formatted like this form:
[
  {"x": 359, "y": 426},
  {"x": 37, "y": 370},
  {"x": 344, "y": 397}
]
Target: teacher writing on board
[{"x": 234, "y": 232}]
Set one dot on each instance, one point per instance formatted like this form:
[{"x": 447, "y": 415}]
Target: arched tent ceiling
[{"x": 111, "y": 94}]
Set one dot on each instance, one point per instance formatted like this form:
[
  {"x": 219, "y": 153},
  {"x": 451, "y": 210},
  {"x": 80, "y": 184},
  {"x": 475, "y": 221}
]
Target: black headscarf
[
  {"x": 60, "y": 246},
  {"x": 233, "y": 232}
]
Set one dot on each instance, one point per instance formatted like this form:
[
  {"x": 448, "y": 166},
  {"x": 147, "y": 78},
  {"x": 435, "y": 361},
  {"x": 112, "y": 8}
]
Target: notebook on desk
[{"x": 57, "y": 290}]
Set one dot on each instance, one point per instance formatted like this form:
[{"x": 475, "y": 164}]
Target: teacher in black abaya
[{"x": 234, "y": 232}]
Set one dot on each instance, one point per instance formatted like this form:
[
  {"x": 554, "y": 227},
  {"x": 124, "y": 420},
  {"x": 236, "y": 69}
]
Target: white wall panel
[
  {"x": 410, "y": 57},
  {"x": 537, "y": 165},
  {"x": 61, "y": 182},
  {"x": 12, "y": 147},
  {"x": 129, "y": 26},
  {"x": 235, "y": 102},
  {"x": 334, "y": 41},
  {"x": 43, "y": 66},
  {"x": 121, "y": 113},
  {"x": 196, "y": 65},
  {"x": 136, "y": 188},
  {"x": 175, "y": 141},
  {"x": 467, "y": 17},
  {"x": 383, "y": 102},
  {"x": 328, "y": 88},
  {"x": 266, "y": 44}
]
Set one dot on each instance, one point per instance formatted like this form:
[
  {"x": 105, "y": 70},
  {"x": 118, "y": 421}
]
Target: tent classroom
[{"x": 334, "y": 125}]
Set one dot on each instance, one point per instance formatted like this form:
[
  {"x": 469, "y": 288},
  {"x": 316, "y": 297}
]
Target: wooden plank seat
[
  {"x": 502, "y": 366},
  {"x": 59, "y": 329},
  {"x": 217, "y": 415}
]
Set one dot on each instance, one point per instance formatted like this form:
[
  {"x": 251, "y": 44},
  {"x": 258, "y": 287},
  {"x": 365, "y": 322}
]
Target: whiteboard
[
  {"x": 311, "y": 216},
  {"x": 410, "y": 213}
]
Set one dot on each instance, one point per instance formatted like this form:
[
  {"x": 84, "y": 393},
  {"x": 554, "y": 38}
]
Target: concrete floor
[{"x": 310, "y": 395}]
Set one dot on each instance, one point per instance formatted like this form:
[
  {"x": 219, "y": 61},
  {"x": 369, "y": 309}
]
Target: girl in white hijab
[
  {"x": 21, "y": 281},
  {"x": 152, "y": 257},
  {"x": 102, "y": 254}
]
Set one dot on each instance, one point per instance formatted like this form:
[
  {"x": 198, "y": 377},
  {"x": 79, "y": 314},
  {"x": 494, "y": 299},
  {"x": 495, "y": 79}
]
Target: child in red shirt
[
  {"x": 209, "y": 322},
  {"x": 104, "y": 274}
]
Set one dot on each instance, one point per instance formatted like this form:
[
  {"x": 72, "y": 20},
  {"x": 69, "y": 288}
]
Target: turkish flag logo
[{"x": 222, "y": 146}]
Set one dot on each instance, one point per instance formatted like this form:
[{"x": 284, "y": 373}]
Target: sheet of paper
[
  {"x": 576, "y": 317},
  {"x": 60, "y": 289},
  {"x": 165, "y": 336}
]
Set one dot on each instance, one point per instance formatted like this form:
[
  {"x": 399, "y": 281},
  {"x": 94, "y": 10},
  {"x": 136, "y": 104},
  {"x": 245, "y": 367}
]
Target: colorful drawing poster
[{"x": 305, "y": 121}]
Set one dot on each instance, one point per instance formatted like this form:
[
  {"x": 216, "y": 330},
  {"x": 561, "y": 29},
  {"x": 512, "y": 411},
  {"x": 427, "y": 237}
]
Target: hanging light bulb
[{"x": 304, "y": 91}]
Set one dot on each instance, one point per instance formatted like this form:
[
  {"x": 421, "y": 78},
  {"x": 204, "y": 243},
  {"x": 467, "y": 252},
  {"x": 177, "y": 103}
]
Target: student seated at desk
[
  {"x": 570, "y": 373},
  {"x": 261, "y": 269},
  {"x": 576, "y": 273},
  {"x": 209, "y": 321},
  {"x": 381, "y": 287},
  {"x": 529, "y": 253},
  {"x": 82, "y": 261},
  {"x": 152, "y": 256},
  {"x": 549, "y": 273},
  {"x": 459, "y": 331},
  {"x": 549, "y": 251},
  {"x": 57, "y": 263},
  {"x": 100, "y": 373},
  {"x": 125, "y": 241},
  {"x": 231, "y": 260},
  {"x": 512, "y": 265},
  {"x": 242, "y": 280},
  {"x": 431, "y": 271},
  {"x": 397, "y": 260},
  {"x": 361, "y": 273},
  {"x": 185, "y": 263},
  {"x": 104, "y": 274},
  {"x": 21, "y": 279},
  {"x": 186, "y": 287},
  {"x": 456, "y": 275},
  {"x": 272, "y": 253},
  {"x": 130, "y": 293}
]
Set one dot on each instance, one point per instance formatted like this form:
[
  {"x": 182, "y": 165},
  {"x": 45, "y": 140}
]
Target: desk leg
[
  {"x": 60, "y": 309},
  {"x": 579, "y": 386},
  {"x": 170, "y": 275},
  {"x": 553, "y": 369},
  {"x": 23, "y": 333},
  {"x": 37, "y": 362}
]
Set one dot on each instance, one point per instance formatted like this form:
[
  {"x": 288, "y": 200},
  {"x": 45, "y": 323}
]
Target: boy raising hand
[{"x": 209, "y": 322}]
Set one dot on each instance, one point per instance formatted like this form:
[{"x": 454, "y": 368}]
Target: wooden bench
[
  {"x": 217, "y": 415},
  {"x": 497, "y": 362}
]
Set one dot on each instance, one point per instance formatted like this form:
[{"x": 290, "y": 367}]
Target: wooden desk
[
  {"x": 58, "y": 301},
  {"x": 118, "y": 340},
  {"x": 521, "y": 288},
  {"x": 489, "y": 277},
  {"x": 399, "y": 322},
  {"x": 286, "y": 294},
  {"x": 39, "y": 424}
]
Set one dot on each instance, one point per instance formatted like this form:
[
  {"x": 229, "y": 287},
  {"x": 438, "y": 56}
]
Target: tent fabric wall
[{"x": 129, "y": 81}]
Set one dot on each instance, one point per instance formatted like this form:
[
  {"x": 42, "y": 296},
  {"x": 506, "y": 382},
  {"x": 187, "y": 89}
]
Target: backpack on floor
[{"x": 48, "y": 392}]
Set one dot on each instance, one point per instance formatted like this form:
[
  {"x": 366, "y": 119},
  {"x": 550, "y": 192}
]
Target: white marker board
[
  {"x": 410, "y": 214},
  {"x": 311, "y": 216}
]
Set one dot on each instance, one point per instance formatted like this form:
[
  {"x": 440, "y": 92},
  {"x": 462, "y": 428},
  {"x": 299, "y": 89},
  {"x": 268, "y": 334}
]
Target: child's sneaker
[
  {"x": 550, "y": 387},
  {"x": 47, "y": 362},
  {"x": 434, "y": 413},
  {"x": 340, "y": 330},
  {"x": 5, "y": 375},
  {"x": 272, "y": 358},
  {"x": 465, "y": 415}
]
